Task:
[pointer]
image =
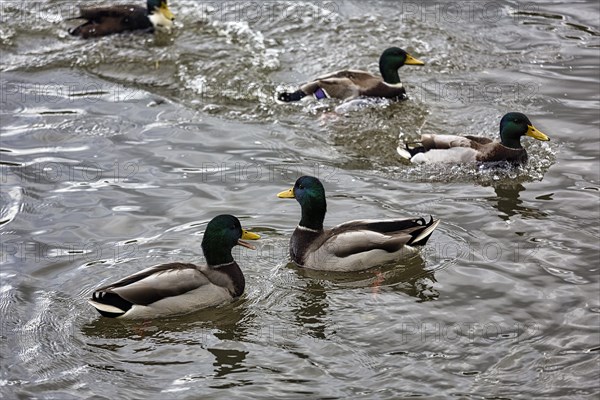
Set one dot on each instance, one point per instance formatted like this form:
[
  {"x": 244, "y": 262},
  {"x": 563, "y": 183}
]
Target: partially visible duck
[
  {"x": 179, "y": 288},
  {"x": 102, "y": 21},
  {"x": 463, "y": 149},
  {"x": 351, "y": 84},
  {"x": 354, "y": 245}
]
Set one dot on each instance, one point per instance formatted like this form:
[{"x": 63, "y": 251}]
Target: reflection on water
[
  {"x": 228, "y": 361},
  {"x": 199, "y": 328},
  {"x": 411, "y": 277},
  {"x": 211, "y": 329},
  {"x": 311, "y": 307},
  {"x": 508, "y": 202},
  {"x": 310, "y": 310}
]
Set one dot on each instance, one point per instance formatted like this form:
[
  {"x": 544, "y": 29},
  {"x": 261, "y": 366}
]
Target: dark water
[{"x": 116, "y": 152}]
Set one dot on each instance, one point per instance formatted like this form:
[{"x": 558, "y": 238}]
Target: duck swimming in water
[{"x": 102, "y": 21}]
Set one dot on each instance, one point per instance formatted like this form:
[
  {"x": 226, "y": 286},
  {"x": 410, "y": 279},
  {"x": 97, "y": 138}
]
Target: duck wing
[
  {"x": 439, "y": 142},
  {"x": 447, "y": 149},
  {"x": 479, "y": 139},
  {"x": 343, "y": 84},
  {"x": 361, "y": 83},
  {"x": 354, "y": 242},
  {"x": 104, "y": 21},
  {"x": 97, "y": 14},
  {"x": 359, "y": 245},
  {"x": 352, "y": 75},
  {"x": 148, "y": 286},
  {"x": 412, "y": 231}
]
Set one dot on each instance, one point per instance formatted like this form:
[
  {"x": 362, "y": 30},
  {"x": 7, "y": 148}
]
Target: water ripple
[{"x": 12, "y": 204}]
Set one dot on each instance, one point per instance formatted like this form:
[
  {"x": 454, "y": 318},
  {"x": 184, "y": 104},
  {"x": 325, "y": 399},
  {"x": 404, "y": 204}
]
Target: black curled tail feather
[
  {"x": 415, "y": 149},
  {"x": 75, "y": 31},
  {"x": 111, "y": 299},
  {"x": 79, "y": 30},
  {"x": 291, "y": 96}
]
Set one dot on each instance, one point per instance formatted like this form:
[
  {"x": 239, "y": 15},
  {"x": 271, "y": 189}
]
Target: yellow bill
[
  {"x": 247, "y": 235},
  {"x": 286, "y": 194},
  {"x": 410, "y": 60},
  {"x": 534, "y": 133},
  {"x": 164, "y": 10}
]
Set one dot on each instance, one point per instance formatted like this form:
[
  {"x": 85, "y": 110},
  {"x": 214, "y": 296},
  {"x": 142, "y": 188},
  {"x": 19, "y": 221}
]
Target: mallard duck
[
  {"x": 179, "y": 288},
  {"x": 102, "y": 21},
  {"x": 351, "y": 84},
  {"x": 354, "y": 245},
  {"x": 463, "y": 149}
]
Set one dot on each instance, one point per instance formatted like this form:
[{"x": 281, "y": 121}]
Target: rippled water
[{"x": 116, "y": 152}]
